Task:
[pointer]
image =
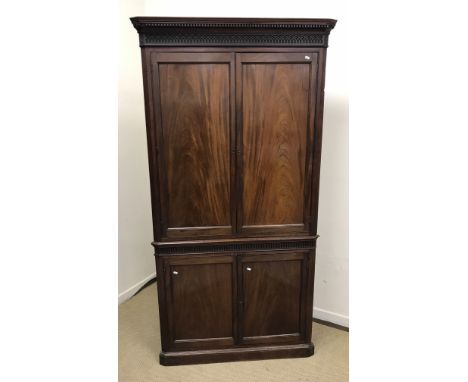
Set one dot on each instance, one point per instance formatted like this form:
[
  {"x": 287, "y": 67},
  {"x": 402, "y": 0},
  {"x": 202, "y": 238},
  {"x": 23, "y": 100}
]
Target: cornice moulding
[{"x": 161, "y": 31}]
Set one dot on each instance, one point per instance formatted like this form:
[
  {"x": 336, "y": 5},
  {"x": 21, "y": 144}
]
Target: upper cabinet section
[
  {"x": 179, "y": 31},
  {"x": 234, "y": 122}
]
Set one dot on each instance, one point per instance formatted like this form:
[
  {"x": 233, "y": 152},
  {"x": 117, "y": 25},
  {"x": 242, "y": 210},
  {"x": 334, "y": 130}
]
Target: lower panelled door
[
  {"x": 272, "y": 297},
  {"x": 201, "y": 301}
]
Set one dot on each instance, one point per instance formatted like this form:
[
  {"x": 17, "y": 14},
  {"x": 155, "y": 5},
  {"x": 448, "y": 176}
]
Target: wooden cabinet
[{"x": 234, "y": 125}]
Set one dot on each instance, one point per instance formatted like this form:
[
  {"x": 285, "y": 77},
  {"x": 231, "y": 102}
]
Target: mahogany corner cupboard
[{"x": 234, "y": 126}]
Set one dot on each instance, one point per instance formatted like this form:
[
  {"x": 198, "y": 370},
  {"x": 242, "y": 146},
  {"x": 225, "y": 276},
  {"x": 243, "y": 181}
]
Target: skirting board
[
  {"x": 126, "y": 294},
  {"x": 336, "y": 318}
]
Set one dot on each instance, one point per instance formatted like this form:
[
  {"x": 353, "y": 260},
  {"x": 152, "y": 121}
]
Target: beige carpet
[{"x": 139, "y": 349}]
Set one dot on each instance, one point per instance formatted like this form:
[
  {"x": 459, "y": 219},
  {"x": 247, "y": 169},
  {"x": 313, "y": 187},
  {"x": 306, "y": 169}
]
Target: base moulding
[{"x": 235, "y": 354}]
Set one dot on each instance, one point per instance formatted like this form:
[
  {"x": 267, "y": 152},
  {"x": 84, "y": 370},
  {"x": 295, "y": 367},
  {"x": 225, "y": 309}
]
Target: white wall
[
  {"x": 136, "y": 261},
  {"x": 331, "y": 285}
]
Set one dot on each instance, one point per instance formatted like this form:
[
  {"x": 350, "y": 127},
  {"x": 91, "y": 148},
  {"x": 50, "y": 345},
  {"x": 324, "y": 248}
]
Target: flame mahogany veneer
[{"x": 234, "y": 125}]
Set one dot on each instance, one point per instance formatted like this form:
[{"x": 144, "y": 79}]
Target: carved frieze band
[
  {"x": 166, "y": 37},
  {"x": 303, "y": 244}
]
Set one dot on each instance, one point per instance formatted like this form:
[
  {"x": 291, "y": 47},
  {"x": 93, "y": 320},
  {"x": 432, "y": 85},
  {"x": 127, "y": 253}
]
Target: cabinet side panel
[
  {"x": 151, "y": 141},
  {"x": 317, "y": 141},
  {"x": 195, "y": 116},
  {"x": 164, "y": 326},
  {"x": 275, "y": 119}
]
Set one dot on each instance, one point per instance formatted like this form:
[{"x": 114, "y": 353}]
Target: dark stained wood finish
[
  {"x": 234, "y": 111},
  {"x": 183, "y": 31},
  {"x": 195, "y": 123},
  {"x": 331, "y": 324},
  {"x": 274, "y": 139},
  {"x": 150, "y": 57},
  {"x": 236, "y": 244},
  {"x": 195, "y": 118},
  {"x": 201, "y": 298},
  {"x": 277, "y": 114},
  {"x": 272, "y": 301},
  {"x": 317, "y": 146},
  {"x": 308, "y": 291},
  {"x": 236, "y": 354}
]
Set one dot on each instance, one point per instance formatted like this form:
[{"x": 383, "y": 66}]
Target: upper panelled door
[
  {"x": 276, "y": 96},
  {"x": 194, "y": 94}
]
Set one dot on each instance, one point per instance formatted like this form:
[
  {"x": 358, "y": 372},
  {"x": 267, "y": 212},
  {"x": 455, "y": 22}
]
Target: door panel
[
  {"x": 201, "y": 301},
  {"x": 273, "y": 306},
  {"x": 195, "y": 96},
  {"x": 276, "y": 124}
]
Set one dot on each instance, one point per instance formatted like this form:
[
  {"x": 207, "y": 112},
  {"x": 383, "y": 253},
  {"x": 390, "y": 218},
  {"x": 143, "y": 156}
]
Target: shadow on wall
[
  {"x": 336, "y": 125},
  {"x": 333, "y": 219}
]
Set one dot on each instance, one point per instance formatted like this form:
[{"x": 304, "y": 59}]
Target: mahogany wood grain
[
  {"x": 276, "y": 106},
  {"x": 272, "y": 301},
  {"x": 201, "y": 298},
  {"x": 195, "y": 121},
  {"x": 195, "y": 117}
]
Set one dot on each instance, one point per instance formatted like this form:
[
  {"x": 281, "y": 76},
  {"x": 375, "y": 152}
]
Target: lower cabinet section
[{"x": 233, "y": 306}]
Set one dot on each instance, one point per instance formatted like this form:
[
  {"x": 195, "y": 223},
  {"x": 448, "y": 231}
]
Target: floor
[{"x": 139, "y": 348}]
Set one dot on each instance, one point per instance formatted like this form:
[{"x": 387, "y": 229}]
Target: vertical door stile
[
  {"x": 160, "y": 147},
  {"x": 304, "y": 285},
  {"x": 313, "y": 77},
  {"x": 317, "y": 140},
  {"x": 233, "y": 139},
  {"x": 168, "y": 301},
  {"x": 240, "y": 298},
  {"x": 238, "y": 149},
  {"x": 235, "y": 294}
]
